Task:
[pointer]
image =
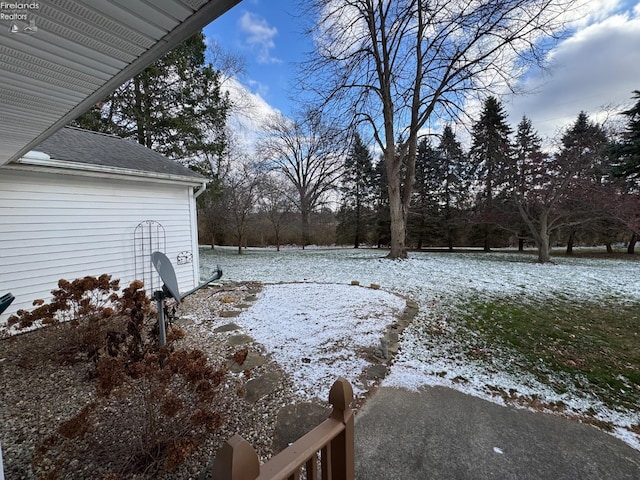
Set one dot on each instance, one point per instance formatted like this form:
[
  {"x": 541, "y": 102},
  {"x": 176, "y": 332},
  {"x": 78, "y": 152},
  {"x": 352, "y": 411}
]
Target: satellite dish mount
[{"x": 170, "y": 288}]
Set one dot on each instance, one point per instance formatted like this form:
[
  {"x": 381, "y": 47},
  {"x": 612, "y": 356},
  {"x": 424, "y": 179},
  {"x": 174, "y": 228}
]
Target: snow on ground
[
  {"x": 439, "y": 283},
  {"x": 312, "y": 331}
]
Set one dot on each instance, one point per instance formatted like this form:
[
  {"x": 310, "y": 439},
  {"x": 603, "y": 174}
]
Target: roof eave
[
  {"x": 205, "y": 15},
  {"x": 41, "y": 162}
]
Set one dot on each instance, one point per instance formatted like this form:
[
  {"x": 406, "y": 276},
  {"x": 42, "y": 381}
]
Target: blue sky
[
  {"x": 595, "y": 69},
  {"x": 269, "y": 35}
]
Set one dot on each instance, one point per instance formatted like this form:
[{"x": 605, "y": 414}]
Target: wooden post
[
  {"x": 342, "y": 447},
  {"x": 236, "y": 460}
]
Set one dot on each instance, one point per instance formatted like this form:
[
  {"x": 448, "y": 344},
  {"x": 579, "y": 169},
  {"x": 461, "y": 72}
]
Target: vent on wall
[{"x": 149, "y": 236}]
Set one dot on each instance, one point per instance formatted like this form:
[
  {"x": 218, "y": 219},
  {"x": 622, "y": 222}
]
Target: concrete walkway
[{"x": 443, "y": 434}]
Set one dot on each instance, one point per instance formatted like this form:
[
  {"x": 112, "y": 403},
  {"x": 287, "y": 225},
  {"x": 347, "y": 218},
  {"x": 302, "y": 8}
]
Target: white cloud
[
  {"x": 248, "y": 115},
  {"x": 590, "y": 11},
  {"x": 596, "y": 68},
  {"x": 260, "y": 36}
]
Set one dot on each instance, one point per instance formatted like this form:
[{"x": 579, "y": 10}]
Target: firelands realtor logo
[{"x": 20, "y": 16}]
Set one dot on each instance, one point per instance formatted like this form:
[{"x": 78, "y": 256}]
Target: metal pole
[{"x": 159, "y": 296}]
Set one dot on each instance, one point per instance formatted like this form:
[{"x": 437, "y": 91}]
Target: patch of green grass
[{"x": 596, "y": 345}]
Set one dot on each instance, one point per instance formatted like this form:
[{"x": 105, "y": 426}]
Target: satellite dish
[
  {"x": 5, "y": 301},
  {"x": 167, "y": 274},
  {"x": 170, "y": 288}
]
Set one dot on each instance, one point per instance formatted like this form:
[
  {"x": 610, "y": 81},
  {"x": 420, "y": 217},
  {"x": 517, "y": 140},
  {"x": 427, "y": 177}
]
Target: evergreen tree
[
  {"x": 527, "y": 172},
  {"x": 563, "y": 191},
  {"x": 528, "y": 183},
  {"x": 381, "y": 203},
  {"x": 174, "y": 106},
  {"x": 423, "y": 220},
  {"x": 455, "y": 190},
  {"x": 491, "y": 157},
  {"x": 626, "y": 157},
  {"x": 527, "y": 154},
  {"x": 357, "y": 193},
  {"x": 627, "y": 151},
  {"x": 583, "y": 152}
]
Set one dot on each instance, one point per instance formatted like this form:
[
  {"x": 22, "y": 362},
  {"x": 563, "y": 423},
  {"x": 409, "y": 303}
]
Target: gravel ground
[{"x": 39, "y": 392}]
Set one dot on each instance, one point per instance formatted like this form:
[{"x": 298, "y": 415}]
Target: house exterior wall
[{"x": 55, "y": 226}]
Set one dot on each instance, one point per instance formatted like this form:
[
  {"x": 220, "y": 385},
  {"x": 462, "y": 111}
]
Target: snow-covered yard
[{"x": 441, "y": 284}]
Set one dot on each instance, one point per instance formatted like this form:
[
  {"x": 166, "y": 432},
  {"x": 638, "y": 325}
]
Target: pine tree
[
  {"x": 627, "y": 151},
  {"x": 527, "y": 180},
  {"x": 381, "y": 203},
  {"x": 564, "y": 190},
  {"x": 423, "y": 221},
  {"x": 527, "y": 154},
  {"x": 583, "y": 152},
  {"x": 455, "y": 188},
  {"x": 491, "y": 157},
  {"x": 626, "y": 155},
  {"x": 175, "y": 106},
  {"x": 357, "y": 192}
]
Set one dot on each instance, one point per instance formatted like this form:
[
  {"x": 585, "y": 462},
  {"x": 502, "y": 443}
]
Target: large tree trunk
[
  {"x": 542, "y": 240},
  {"x": 487, "y": 244},
  {"x": 449, "y": 234},
  {"x": 398, "y": 224},
  {"x": 396, "y": 209},
  {"x": 356, "y": 241},
  {"x": 540, "y": 234},
  {"x": 306, "y": 236},
  {"x": 544, "y": 254},
  {"x": 570, "y": 240},
  {"x": 632, "y": 244}
]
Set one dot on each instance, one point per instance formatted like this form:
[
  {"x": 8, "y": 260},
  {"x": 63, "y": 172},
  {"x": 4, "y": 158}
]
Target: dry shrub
[
  {"x": 154, "y": 405},
  {"x": 85, "y": 298},
  {"x": 150, "y": 416}
]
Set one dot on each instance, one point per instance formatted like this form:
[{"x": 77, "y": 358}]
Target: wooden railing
[{"x": 326, "y": 452}]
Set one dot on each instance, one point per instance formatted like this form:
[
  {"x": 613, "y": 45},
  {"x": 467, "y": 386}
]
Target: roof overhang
[
  {"x": 35, "y": 161},
  {"x": 77, "y": 54}
]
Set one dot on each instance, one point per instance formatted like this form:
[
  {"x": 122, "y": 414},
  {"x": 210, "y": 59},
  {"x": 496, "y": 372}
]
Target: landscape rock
[
  {"x": 252, "y": 361},
  {"x": 240, "y": 339},
  {"x": 294, "y": 421},
  {"x": 262, "y": 386},
  {"x": 376, "y": 372},
  {"x": 229, "y": 327}
]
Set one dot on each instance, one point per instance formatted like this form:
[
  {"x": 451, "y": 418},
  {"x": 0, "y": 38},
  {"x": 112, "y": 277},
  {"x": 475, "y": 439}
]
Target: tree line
[
  {"x": 506, "y": 189},
  {"x": 313, "y": 180}
]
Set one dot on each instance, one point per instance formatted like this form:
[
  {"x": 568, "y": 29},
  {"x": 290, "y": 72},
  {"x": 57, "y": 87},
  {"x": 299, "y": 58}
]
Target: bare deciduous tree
[
  {"x": 396, "y": 65},
  {"x": 275, "y": 202},
  {"x": 241, "y": 188},
  {"x": 309, "y": 154},
  {"x": 565, "y": 190}
]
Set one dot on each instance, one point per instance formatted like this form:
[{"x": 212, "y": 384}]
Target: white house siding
[{"x": 55, "y": 226}]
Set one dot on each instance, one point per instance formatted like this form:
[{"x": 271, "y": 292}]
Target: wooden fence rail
[{"x": 326, "y": 452}]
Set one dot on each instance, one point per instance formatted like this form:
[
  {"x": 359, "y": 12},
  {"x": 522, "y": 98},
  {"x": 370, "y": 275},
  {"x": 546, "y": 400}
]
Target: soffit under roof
[{"x": 60, "y": 57}]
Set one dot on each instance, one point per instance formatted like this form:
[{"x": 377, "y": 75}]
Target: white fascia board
[{"x": 41, "y": 162}]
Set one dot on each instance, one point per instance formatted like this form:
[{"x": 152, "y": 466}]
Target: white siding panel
[{"x": 56, "y": 226}]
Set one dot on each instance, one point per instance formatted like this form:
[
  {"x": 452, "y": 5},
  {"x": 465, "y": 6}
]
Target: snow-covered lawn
[
  {"x": 440, "y": 283},
  {"x": 315, "y": 331}
]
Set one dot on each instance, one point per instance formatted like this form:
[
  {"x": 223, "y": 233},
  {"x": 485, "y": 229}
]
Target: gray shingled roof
[{"x": 92, "y": 148}]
